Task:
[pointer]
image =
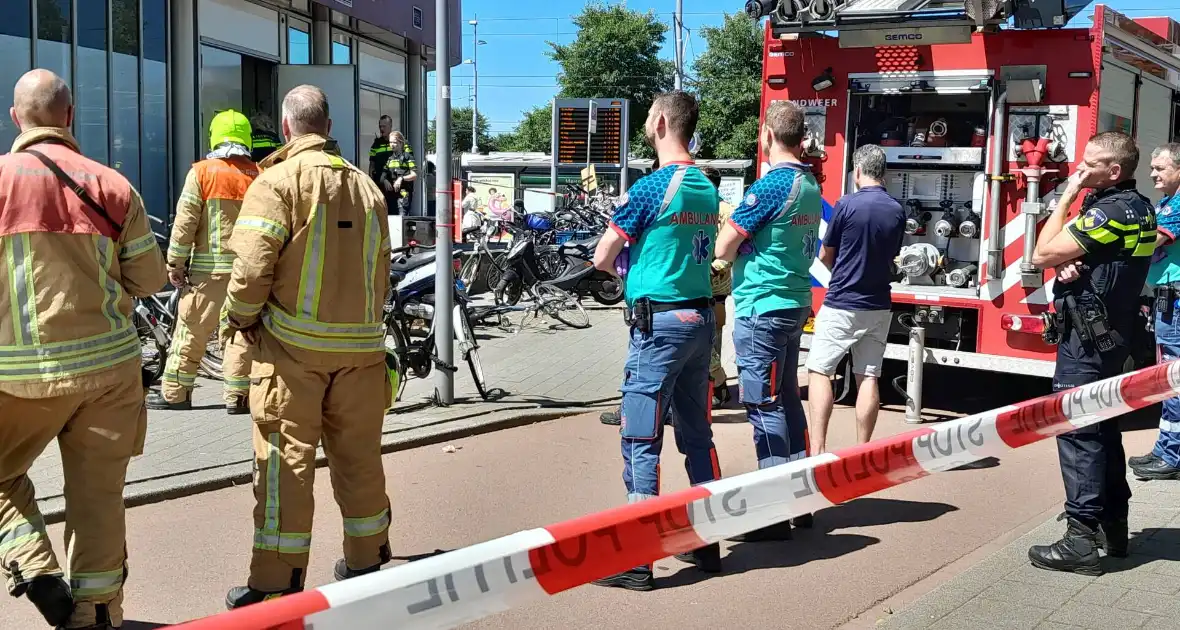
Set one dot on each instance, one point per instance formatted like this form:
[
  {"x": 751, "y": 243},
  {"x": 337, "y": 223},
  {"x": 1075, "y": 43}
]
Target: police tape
[{"x": 468, "y": 584}]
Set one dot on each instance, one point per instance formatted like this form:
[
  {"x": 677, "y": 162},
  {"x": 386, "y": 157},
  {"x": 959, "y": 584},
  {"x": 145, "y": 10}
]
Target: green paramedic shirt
[
  {"x": 780, "y": 217},
  {"x": 669, "y": 219}
]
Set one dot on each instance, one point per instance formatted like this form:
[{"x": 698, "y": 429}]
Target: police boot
[
  {"x": 343, "y": 572},
  {"x": 770, "y": 533},
  {"x": 1157, "y": 470},
  {"x": 239, "y": 596},
  {"x": 1076, "y": 552},
  {"x": 156, "y": 401},
  {"x": 637, "y": 579},
  {"x": 1112, "y": 536},
  {"x": 51, "y": 595},
  {"x": 707, "y": 558},
  {"x": 237, "y": 406}
]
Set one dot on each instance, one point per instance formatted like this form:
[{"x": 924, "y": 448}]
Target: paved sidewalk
[
  {"x": 1005, "y": 591},
  {"x": 546, "y": 369}
]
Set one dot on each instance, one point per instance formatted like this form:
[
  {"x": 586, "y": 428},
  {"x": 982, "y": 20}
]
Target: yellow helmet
[{"x": 230, "y": 126}]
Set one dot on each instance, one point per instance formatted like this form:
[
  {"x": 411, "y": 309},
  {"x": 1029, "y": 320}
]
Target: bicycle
[
  {"x": 155, "y": 319},
  {"x": 411, "y": 300}
]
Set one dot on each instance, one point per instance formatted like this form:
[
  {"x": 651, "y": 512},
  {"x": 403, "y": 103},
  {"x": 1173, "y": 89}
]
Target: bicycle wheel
[
  {"x": 152, "y": 354},
  {"x": 469, "y": 348},
  {"x": 395, "y": 343},
  {"x": 562, "y": 306},
  {"x": 212, "y": 361},
  {"x": 470, "y": 270}
]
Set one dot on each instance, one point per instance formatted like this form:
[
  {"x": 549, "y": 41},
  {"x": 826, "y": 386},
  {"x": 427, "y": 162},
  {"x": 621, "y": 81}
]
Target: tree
[
  {"x": 616, "y": 55},
  {"x": 729, "y": 85},
  {"x": 461, "y": 133},
  {"x": 533, "y": 133}
]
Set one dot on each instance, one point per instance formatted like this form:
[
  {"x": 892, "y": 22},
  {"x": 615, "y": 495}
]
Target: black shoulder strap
[{"x": 69, "y": 182}]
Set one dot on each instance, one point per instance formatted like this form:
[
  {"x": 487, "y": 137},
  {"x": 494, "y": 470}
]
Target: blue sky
[{"x": 515, "y": 74}]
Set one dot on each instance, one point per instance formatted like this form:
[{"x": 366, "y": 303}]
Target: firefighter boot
[
  {"x": 51, "y": 595},
  {"x": 1076, "y": 552},
  {"x": 102, "y": 620},
  {"x": 1112, "y": 536},
  {"x": 239, "y": 596},
  {"x": 239, "y": 405},
  {"x": 707, "y": 558},
  {"x": 343, "y": 572},
  {"x": 156, "y": 401}
]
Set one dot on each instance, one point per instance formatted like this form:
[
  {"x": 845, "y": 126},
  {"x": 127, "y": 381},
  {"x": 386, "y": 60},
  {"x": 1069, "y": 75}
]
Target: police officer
[
  {"x": 669, "y": 221},
  {"x": 1102, "y": 258},
  {"x": 1163, "y": 462},
  {"x": 74, "y": 260},
  {"x": 773, "y": 236},
  {"x": 400, "y": 173},
  {"x": 199, "y": 262},
  {"x": 264, "y": 139},
  {"x": 307, "y": 289},
  {"x": 380, "y": 151}
]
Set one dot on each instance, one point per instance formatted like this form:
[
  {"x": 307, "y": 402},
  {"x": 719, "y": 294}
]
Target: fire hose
[{"x": 468, "y": 584}]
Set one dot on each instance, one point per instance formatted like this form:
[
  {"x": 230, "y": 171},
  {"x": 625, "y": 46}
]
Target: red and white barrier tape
[{"x": 477, "y": 581}]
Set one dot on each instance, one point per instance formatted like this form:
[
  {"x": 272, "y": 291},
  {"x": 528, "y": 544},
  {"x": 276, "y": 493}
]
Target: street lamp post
[{"x": 476, "y": 42}]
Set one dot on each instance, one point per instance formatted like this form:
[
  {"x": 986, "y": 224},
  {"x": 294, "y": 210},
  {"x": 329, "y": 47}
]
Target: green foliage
[
  {"x": 533, "y": 133},
  {"x": 729, "y": 85},
  {"x": 461, "y": 133}
]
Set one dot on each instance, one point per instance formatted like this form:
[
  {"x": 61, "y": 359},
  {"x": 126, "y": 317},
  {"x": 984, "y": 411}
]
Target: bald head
[
  {"x": 305, "y": 111},
  {"x": 41, "y": 99}
]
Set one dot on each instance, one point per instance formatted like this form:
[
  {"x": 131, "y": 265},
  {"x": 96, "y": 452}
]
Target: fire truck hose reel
[{"x": 961, "y": 275}]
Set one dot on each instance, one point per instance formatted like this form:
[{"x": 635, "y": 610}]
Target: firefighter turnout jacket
[
  {"x": 312, "y": 246},
  {"x": 206, "y": 213},
  {"x": 54, "y": 246}
]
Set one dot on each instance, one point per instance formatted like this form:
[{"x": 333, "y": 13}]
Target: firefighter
[
  {"x": 773, "y": 236},
  {"x": 71, "y": 364},
  {"x": 264, "y": 140},
  {"x": 307, "y": 290},
  {"x": 400, "y": 173},
  {"x": 722, "y": 286},
  {"x": 1163, "y": 462},
  {"x": 1102, "y": 259},
  {"x": 199, "y": 263},
  {"x": 669, "y": 220}
]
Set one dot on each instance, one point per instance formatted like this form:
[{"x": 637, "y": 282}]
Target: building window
[
  {"x": 53, "y": 37},
  {"x": 373, "y": 106},
  {"x": 156, "y": 166},
  {"x": 125, "y": 131},
  {"x": 298, "y": 42},
  {"x": 221, "y": 86},
  {"x": 341, "y": 49},
  {"x": 90, "y": 90},
  {"x": 16, "y": 30},
  {"x": 381, "y": 67},
  {"x": 243, "y": 24}
]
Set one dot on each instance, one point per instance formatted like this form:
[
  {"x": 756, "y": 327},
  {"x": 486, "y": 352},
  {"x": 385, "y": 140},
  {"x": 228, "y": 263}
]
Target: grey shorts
[{"x": 837, "y": 332}]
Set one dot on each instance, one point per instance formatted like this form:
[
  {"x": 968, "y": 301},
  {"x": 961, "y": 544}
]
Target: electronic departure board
[{"x": 579, "y": 142}]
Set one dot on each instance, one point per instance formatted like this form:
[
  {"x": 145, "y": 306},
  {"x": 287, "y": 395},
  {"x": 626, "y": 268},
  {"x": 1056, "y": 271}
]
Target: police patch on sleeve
[
  {"x": 750, "y": 201},
  {"x": 1092, "y": 220}
]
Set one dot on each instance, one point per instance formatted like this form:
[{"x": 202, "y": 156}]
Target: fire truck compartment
[{"x": 923, "y": 130}]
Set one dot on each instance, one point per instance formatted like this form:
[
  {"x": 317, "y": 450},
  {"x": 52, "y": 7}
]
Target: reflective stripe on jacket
[
  {"x": 312, "y": 246},
  {"x": 206, "y": 212},
  {"x": 65, "y": 304}
]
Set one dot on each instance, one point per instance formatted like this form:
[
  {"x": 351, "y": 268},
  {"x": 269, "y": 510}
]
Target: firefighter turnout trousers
[
  {"x": 295, "y": 405},
  {"x": 198, "y": 316},
  {"x": 98, "y": 433}
]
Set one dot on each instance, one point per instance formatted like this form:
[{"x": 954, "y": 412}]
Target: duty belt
[{"x": 664, "y": 307}]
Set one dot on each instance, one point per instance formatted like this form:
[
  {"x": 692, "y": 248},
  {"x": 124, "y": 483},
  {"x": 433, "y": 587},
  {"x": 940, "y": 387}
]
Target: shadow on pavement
[
  {"x": 422, "y": 556},
  {"x": 141, "y": 625},
  {"x": 1153, "y": 544},
  {"x": 872, "y": 511},
  {"x": 745, "y": 557}
]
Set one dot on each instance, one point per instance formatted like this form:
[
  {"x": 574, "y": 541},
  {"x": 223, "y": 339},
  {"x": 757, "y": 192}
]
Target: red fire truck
[{"x": 982, "y": 112}]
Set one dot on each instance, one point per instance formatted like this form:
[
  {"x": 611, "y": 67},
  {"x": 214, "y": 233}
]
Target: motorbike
[{"x": 523, "y": 274}]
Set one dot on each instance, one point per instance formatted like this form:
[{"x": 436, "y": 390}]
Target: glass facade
[{"x": 114, "y": 55}]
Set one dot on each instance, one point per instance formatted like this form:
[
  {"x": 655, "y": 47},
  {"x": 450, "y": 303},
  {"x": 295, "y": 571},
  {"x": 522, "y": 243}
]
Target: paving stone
[
  {"x": 1029, "y": 574},
  {"x": 980, "y": 612},
  {"x": 1039, "y": 595},
  {"x": 1140, "y": 579},
  {"x": 1053, "y": 625},
  {"x": 1099, "y": 594},
  {"x": 928, "y": 610},
  {"x": 1149, "y": 603},
  {"x": 1098, "y": 617}
]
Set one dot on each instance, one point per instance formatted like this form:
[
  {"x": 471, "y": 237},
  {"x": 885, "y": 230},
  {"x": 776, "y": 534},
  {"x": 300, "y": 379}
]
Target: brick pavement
[{"x": 1005, "y": 591}]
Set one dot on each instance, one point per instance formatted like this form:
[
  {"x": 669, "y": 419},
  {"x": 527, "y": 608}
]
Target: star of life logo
[{"x": 700, "y": 247}]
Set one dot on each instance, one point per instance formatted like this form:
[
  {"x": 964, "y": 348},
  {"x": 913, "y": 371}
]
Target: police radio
[{"x": 1091, "y": 324}]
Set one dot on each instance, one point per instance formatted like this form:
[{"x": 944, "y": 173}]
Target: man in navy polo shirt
[{"x": 862, "y": 240}]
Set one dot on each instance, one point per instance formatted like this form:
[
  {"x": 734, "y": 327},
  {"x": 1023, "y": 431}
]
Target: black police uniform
[
  {"x": 400, "y": 164},
  {"x": 1117, "y": 230},
  {"x": 265, "y": 143},
  {"x": 378, "y": 155}
]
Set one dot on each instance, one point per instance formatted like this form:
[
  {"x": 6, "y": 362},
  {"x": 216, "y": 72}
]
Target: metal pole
[
  {"x": 677, "y": 20},
  {"x": 475, "y": 86},
  {"x": 553, "y": 160},
  {"x": 913, "y": 377},
  {"x": 444, "y": 289}
]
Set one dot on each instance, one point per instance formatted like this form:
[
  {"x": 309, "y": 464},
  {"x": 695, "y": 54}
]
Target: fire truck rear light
[{"x": 1031, "y": 324}]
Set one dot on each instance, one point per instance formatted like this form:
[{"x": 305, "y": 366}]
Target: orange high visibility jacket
[
  {"x": 312, "y": 246},
  {"x": 206, "y": 212},
  {"x": 65, "y": 303}
]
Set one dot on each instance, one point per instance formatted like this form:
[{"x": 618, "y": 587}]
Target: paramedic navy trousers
[{"x": 667, "y": 371}]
